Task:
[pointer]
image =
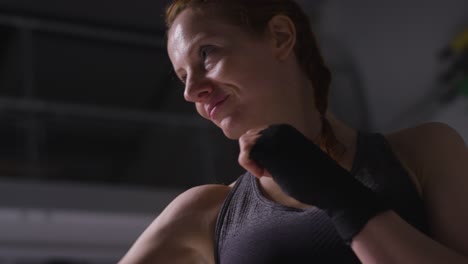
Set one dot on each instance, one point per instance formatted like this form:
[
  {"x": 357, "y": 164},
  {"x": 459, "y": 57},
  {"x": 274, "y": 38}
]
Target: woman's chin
[
  {"x": 231, "y": 134},
  {"x": 231, "y": 130}
]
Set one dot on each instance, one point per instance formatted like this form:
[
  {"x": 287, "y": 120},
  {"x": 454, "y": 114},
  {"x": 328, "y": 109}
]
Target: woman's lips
[{"x": 214, "y": 107}]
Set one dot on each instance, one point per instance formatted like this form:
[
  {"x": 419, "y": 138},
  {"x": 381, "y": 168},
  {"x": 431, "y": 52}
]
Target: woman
[{"x": 315, "y": 190}]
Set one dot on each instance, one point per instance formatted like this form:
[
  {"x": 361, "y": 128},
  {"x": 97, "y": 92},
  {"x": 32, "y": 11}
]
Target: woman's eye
[
  {"x": 181, "y": 78},
  {"x": 205, "y": 51}
]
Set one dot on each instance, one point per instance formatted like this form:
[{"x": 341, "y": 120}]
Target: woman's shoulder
[
  {"x": 424, "y": 138},
  {"x": 194, "y": 208},
  {"x": 200, "y": 198},
  {"x": 426, "y": 147},
  {"x": 183, "y": 231}
]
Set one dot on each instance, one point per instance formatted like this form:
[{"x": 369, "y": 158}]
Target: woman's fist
[{"x": 246, "y": 142}]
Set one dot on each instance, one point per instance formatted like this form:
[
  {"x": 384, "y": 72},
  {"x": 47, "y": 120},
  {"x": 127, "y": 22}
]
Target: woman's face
[{"x": 234, "y": 79}]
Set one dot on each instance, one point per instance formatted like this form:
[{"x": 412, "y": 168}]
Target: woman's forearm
[{"x": 387, "y": 238}]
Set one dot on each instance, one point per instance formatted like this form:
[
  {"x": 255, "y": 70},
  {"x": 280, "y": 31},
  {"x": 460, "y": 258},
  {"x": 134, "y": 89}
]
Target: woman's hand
[
  {"x": 246, "y": 142},
  {"x": 309, "y": 175}
]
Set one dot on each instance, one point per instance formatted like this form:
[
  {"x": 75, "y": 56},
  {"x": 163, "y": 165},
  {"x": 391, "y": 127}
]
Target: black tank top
[{"x": 252, "y": 229}]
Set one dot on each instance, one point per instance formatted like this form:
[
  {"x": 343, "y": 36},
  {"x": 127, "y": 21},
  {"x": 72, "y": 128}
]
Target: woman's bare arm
[
  {"x": 442, "y": 158},
  {"x": 183, "y": 232}
]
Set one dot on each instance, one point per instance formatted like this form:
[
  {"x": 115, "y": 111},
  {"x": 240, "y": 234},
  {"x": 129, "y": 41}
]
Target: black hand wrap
[{"x": 309, "y": 175}]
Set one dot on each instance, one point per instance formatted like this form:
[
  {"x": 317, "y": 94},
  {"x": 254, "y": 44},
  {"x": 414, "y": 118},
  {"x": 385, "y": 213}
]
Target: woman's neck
[{"x": 347, "y": 136}]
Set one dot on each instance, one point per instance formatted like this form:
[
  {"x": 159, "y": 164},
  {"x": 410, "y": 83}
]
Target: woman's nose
[{"x": 197, "y": 89}]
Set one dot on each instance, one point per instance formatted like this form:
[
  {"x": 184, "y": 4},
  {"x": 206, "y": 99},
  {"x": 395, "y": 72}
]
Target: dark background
[
  {"x": 88, "y": 95},
  {"x": 96, "y": 139}
]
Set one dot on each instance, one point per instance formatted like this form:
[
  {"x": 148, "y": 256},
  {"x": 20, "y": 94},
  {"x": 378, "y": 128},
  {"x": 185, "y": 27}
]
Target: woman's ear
[{"x": 282, "y": 32}]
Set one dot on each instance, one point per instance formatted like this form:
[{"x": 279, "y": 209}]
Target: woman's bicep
[{"x": 445, "y": 190}]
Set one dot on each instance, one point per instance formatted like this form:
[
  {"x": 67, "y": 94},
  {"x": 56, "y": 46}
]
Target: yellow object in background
[{"x": 460, "y": 42}]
